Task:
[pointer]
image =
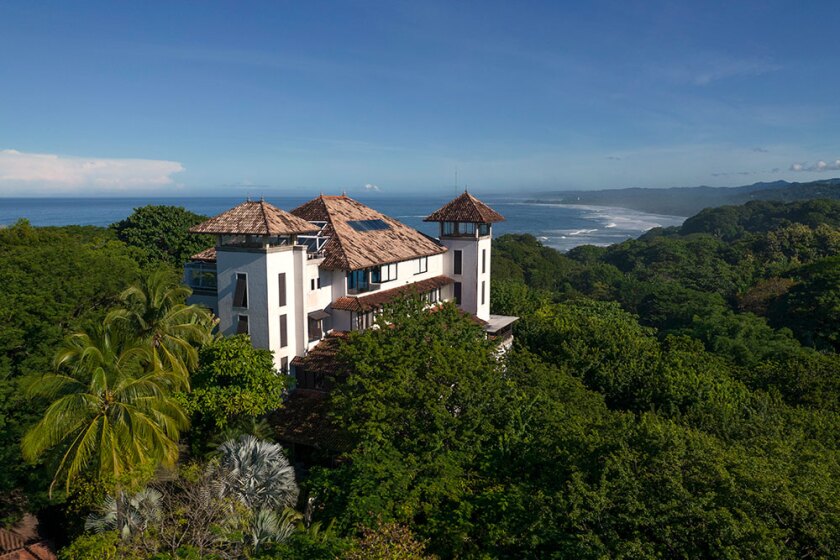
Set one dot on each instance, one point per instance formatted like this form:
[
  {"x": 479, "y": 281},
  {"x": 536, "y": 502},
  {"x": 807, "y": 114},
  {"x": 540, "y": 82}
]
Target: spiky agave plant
[{"x": 257, "y": 473}]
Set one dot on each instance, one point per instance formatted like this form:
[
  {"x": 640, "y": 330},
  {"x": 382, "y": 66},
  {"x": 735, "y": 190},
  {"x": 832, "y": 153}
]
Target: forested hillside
[
  {"x": 674, "y": 396},
  {"x": 686, "y": 201}
]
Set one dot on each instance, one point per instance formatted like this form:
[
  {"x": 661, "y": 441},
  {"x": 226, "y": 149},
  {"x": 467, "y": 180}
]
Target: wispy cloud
[
  {"x": 370, "y": 187},
  {"x": 31, "y": 173},
  {"x": 712, "y": 67},
  {"x": 732, "y": 173},
  {"x": 818, "y": 166}
]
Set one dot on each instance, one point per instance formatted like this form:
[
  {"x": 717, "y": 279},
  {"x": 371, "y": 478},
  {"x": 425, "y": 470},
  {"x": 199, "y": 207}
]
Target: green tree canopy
[
  {"x": 233, "y": 380},
  {"x": 163, "y": 232}
]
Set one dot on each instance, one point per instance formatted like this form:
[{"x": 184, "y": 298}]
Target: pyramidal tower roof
[
  {"x": 465, "y": 208},
  {"x": 255, "y": 218}
]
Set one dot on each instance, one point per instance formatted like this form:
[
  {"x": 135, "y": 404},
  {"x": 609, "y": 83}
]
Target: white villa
[{"x": 292, "y": 279}]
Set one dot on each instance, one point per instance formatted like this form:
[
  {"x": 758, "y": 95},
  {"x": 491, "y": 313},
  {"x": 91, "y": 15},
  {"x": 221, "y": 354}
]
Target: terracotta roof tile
[
  {"x": 255, "y": 218},
  {"x": 321, "y": 358},
  {"x": 350, "y": 249},
  {"x": 465, "y": 208},
  {"x": 207, "y": 255},
  {"x": 15, "y": 547},
  {"x": 378, "y": 299},
  {"x": 10, "y": 541}
]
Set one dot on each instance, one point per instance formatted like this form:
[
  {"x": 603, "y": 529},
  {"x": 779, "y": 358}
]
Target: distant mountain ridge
[{"x": 687, "y": 201}]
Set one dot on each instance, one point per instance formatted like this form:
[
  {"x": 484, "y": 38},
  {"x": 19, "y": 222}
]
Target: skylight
[{"x": 368, "y": 225}]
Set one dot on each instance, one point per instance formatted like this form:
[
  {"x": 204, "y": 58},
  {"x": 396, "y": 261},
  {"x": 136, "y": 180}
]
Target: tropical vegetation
[{"x": 672, "y": 396}]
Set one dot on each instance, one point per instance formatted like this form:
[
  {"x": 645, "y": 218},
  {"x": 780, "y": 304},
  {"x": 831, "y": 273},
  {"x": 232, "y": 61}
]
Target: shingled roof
[
  {"x": 14, "y": 546},
  {"x": 376, "y": 300},
  {"x": 207, "y": 255},
  {"x": 465, "y": 208},
  {"x": 354, "y": 248},
  {"x": 255, "y": 218}
]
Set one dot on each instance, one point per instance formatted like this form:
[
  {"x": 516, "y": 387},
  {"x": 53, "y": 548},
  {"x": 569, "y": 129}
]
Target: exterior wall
[
  {"x": 211, "y": 302},
  {"x": 341, "y": 320},
  {"x": 471, "y": 275},
  {"x": 230, "y": 262},
  {"x": 277, "y": 262}
]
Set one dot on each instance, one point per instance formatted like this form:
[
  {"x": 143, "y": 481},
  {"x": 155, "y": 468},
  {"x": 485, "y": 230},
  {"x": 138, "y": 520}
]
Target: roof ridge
[
  {"x": 265, "y": 214},
  {"x": 336, "y": 236}
]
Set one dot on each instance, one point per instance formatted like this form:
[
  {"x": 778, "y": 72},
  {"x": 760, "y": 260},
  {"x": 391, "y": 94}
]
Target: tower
[
  {"x": 260, "y": 276},
  {"x": 466, "y": 230}
]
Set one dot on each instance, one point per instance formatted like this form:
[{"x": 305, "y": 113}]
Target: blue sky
[{"x": 269, "y": 98}]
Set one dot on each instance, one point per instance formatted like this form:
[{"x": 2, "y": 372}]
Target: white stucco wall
[
  {"x": 277, "y": 262},
  {"x": 471, "y": 275}
]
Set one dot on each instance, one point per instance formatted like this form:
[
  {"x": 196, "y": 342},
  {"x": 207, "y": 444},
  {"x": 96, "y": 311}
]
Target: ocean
[{"x": 561, "y": 226}]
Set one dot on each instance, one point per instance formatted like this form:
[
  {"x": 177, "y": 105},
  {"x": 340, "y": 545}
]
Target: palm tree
[
  {"x": 112, "y": 408},
  {"x": 257, "y": 473},
  {"x": 128, "y": 514},
  {"x": 268, "y": 526},
  {"x": 154, "y": 310}
]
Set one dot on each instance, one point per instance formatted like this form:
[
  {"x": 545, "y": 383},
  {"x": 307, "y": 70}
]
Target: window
[
  {"x": 318, "y": 282},
  {"x": 384, "y": 273},
  {"x": 449, "y": 228},
  {"x": 432, "y": 297},
  {"x": 312, "y": 284},
  {"x": 422, "y": 265},
  {"x": 368, "y": 225},
  {"x": 483, "y": 229},
  {"x": 457, "y": 293},
  {"x": 281, "y": 288},
  {"x": 314, "y": 329},
  {"x": 240, "y": 296},
  {"x": 284, "y": 365},
  {"x": 242, "y": 324},
  {"x": 467, "y": 228},
  {"x": 483, "y": 261},
  {"x": 482, "y": 292},
  {"x": 457, "y": 257},
  {"x": 357, "y": 280},
  {"x": 284, "y": 335}
]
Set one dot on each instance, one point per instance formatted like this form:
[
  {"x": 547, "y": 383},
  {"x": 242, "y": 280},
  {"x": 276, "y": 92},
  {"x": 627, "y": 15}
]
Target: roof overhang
[
  {"x": 499, "y": 322},
  {"x": 318, "y": 315}
]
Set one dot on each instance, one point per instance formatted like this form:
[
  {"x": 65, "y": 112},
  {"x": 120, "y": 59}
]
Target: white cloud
[
  {"x": 819, "y": 166},
  {"x": 34, "y": 174},
  {"x": 371, "y": 187}
]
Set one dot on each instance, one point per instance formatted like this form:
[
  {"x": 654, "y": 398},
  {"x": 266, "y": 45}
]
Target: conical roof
[
  {"x": 465, "y": 208},
  {"x": 255, "y": 218}
]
